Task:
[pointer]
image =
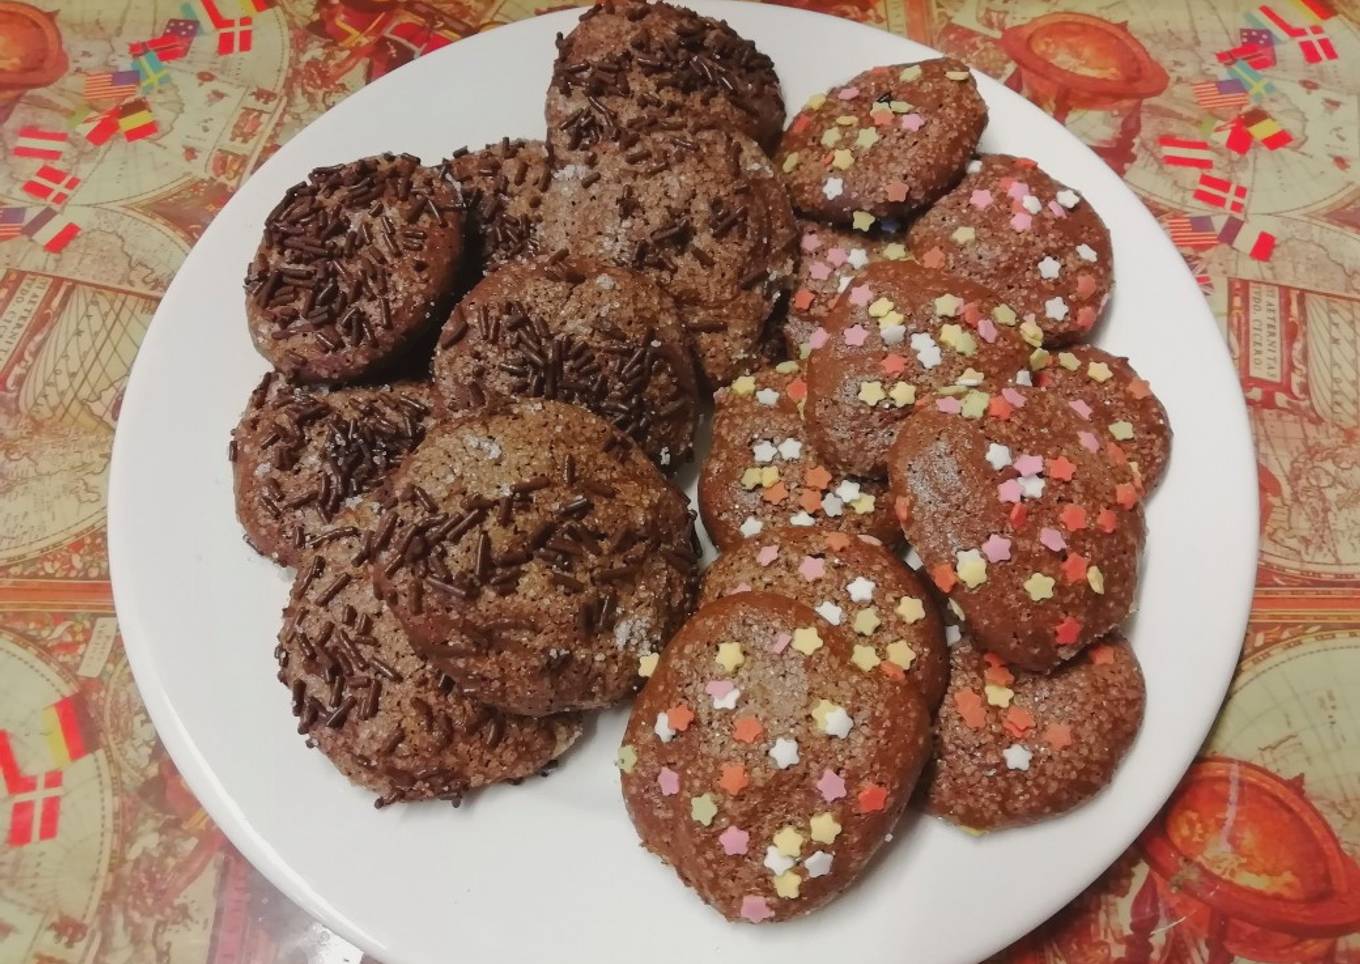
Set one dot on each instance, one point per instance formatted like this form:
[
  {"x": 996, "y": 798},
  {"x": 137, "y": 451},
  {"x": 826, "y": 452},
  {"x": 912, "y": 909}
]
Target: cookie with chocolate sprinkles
[
  {"x": 503, "y": 187},
  {"x": 389, "y": 721},
  {"x": 700, "y": 212},
  {"x": 1034, "y": 241},
  {"x": 852, "y": 582},
  {"x": 1013, "y": 747},
  {"x": 763, "y": 472},
  {"x": 629, "y": 64},
  {"x": 1025, "y": 518},
  {"x": 899, "y": 335},
  {"x": 764, "y": 763},
  {"x": 884, "y": 144},
  {"x": 301, "y": 453},
  {"x": 602, "y": 337},
  {"x": 354, "y": 268},
  {"x": 537, "y": 556},
  {"x": 1120, "y": 403}
]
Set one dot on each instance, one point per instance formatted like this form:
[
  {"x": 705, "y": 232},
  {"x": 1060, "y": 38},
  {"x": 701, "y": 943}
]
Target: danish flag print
[
  {"x": 36, "y": 142},
  {"x": 1221, "y": 193},
  {"x": 35, "y": 808},
  {"x": 52, "y": 185},
  {"x": 234, "y": 37}
]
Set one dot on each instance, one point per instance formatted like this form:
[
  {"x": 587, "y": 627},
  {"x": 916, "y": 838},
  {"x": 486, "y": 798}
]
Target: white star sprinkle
[
  {"x": 1031, "y": 204},
  {"x": 832, "y": 505},
  {"x": 892, "y": 334},
  {"x": 1031, "y": 486},
  {"x": 767, "y": 396},
  {"x": 1017, "y": 757},
  {"x": 1068, "y": 198},
  {"x": 751, "y": 527},
  {"x": 952, "y": 634},
  {"x": 974, "y": 166},
  {"x": 1086, "y": 252},
  {"x": 764, "y": 452},
  {"x": 776, "y": 862},
  {"x": 1023, "y": 377},
  {"x": 818, "y": 864},
  {"x": 1055, "y": 308},
  {"x": 784, "y": 752},
  {"x": 838, "y": 723},
  {"x": 791, "y": 449},
  {"x": 833, "y": 188},
  {"x": 998, "y": 456},
  {"x": 1049, "y": 268},
  {"x": 663, "y": 728},
  {"x": 927, "y": 352},
  {"x": 857, "y": 258},
  {"x": 861, "y": 590},
  {"x": 831, "y": 612},
  {"x": 848, "y": 490},
  {"x": 802, "y": 519}
]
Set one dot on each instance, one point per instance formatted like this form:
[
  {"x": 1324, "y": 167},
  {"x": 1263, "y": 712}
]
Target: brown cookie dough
[
  {"x": 300, "y": 454},
  {"x": 900, "y": 334},
  {"x": 852, "y": 583},
  {"x": 1026, "y": 521},
  {"x": 594, "y": 335},
  {"x": 762, "y": 472},
  {"x": 886, "y": 143},
  {"x": 831, "y": 258},
  {"x": 536, "y": 555},
  {"x": 1119, "y": 402},
  {"x": 704, "y": 215},
  {"x": 503, "y": 187},
  {"x": 387, "y": 720},
  {"x": 1038, "y": 244},
  {"x": 1012, "y": 747},
  {"x": 629, "y": 64},
  {"x": 764, "y": 764},
  {"x": 355, "y": 264}
]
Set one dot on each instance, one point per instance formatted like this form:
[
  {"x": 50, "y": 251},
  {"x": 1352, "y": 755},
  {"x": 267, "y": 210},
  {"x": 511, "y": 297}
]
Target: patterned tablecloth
[{"x": 126, "y": 124}]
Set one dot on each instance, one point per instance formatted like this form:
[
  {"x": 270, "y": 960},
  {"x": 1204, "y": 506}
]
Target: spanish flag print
[{"x": 64, "y": 730}]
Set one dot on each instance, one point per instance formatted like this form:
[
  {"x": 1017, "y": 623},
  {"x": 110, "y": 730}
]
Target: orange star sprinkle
[
  {"x": 802, "y": 299},
  {"x": 746, "y": 729},
  {"x": 872, "y": 798},
  {"x": 1139, "y": 388},
  {"x": 892, "y": 670},
  {"x": 996, "y": 672},
  {"x": 897, "y": 192},
  {"x": 1101, "y": 655},
  {"x": 680, "y": 717},
  {"x": 1058, "y": 735},
  {"x": 817, "y": 477},
  {"x": 1073, "y": 517},
  {"x": 809, "y": 499},
  {"x": 1061, "y": 468},
  {"x": 800, "y": 123},
  {"x": 1068, "y": 631},
  {"x": 1074, "y": 567},
  {"x": 893, "y": 364},
  {"x": 734, "y": 778},
  {"x": 1019, "y": 515},
  {"x": 837, "y": 541},
  {"x": 942, "y": 574},
  {"x": 797, "y": 390},
  {"x": 933, "y": 259},
  {"x": 1116, "y": 454},
  {"x": 902, "y": 509},
  {"x": 1107, "y": 521},
  {"x": 1017, "y": 720},
  {"x": 776, "y": 493},
  {"x": 998, "y": 407},
  {"x": 1126, "y": 495},
  {"x": 970, "y": 708}
]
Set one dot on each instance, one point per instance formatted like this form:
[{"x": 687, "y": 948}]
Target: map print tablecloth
[{"x": 126, "y": 124}]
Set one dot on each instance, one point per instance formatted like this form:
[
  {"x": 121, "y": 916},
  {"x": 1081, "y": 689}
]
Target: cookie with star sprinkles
[
  {"x": 630, "y": 64},
  {"x": 300, "y": 453},
  {"x": 535, "y": 554},
  {"x": 502, "y": 185},
  {"x": 883, "y": 145},
  {"x": 355, "y": 267},
  {"x": 1036, "y": 242},
  {"x": 831, "y": 257},
  {"x": 703, "y": 214},
  {"x": 761, "y": 471},
  {"x": 1026, "y": 519},
  {"x": 605, "y": 338},
  {"x": 1118, "y": 401},
  {"x": 899, "y": 335},
  {"x": 1013, "y": 747},
  {"x": 850, "y": 582},
  {"x": 389, "y": 721},
  {"x": 763, "y": 764}
]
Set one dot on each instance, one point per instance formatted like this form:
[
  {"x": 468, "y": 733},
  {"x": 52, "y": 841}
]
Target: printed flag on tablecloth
[
  {"x": 1265, "y": 129},
  {"x": 1219, "y": 192},
  {"x": 110, "y": 87},
  {"x": 167, "y": 47},
  {"x": 51, "y": 231},
  {"x": 1317, "y": 46},
  {"x": 51, "y": 184},
  {"x": 1185, "y": 152},
  {"x": 1256, "y": 85},
  {"x": 63, "y": 727},
  {"x": 234, "y": 37},
  {"x": 96, "y": 126},
  {"x": 1256, "y": 56},
  {"x": 1314, "y": 9},
  {"x": 1232, "y": 135},
  {"x": 44, "y": 145},
  {"x": 251, "y": 7},
  {"x": 1217, "y": 94},
  {"x": 1194, "y": 231},
  {"x": 206, "y": 12},
  {"x": 135, "y": 120},
  {"x": 1242, "y": 237},
  {"x": 11, "y": 222},
  {"x": 150, "y": 71}
]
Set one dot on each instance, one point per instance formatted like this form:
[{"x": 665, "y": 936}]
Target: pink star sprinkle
[
  {"x": 980, "y": 199},
  {"x": 855, "y": 335},
  {"x": 734, "y": 841},
  {"x": 1056, "y": 209},
  {"x": 1017, "y": 189},
  {"x": 912, "y": 122},
  {"x": 811, "y": 242},
  {"x": 812, "y": 568},
  {"x": 1086, "y": 285},
  {"x": 1013, "y": 396},
  {"x": 755, "y": 909},
  {"x": 781, "y": 643},
  {"x": 739, "y": 587},
  {"x": 1052, "y": 539},
  {"x": 997, "y": 548},
  {"x": 1088, "y": 441},
  {"x": 1009, "y": 491},
  {"x": 848, "y": 93},
  {"x": 819, "y": 271},
  {"x": 1081, "y": 408},
  {"x": 669, "y": 782},
  {"x": 1086, "y": 317},
  {"x": 718, "y": 688},
  {"x": 1021, "y": 220},
  {"x": 767, "y": 555},
  {"x": 948, "y": 405},
  {"x": 860, "y": 295},
  {"x": 831, "y": 785},
  {"x": 987, "y": 330},
  {"x": 818, "y": 338},
  {"x": 837, "y": 257},
  {"x": 897, "y": 191},
  {"x": 1029, "y": 465}
]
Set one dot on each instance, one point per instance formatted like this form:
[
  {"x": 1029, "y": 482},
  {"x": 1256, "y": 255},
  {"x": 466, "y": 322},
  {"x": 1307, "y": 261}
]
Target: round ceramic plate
[{"x": 552, "y": 870}]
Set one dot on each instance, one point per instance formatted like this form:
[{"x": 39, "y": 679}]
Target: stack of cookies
[{"x": 926, "y": 491}]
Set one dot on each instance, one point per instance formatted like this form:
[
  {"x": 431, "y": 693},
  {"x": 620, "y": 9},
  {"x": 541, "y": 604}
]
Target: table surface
[{"x": 126, "y": 124}]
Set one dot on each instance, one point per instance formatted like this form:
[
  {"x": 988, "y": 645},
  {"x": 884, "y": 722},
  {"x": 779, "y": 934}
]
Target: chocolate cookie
[
  {"x": 1119, "y": 402},
  {"x": 1012, "y": 747},
  {"x": 301, "y": 453},
  {"x": 704, "y": 215},
  {"x": 594, "y": 335},
  {"x": 852, "y": 583},
  {"x": 900, "y": 334},
  {"x": 831, "y": 257},
  {"x": 503, "y": 187},
  {"x": 388, "y": 720},
  {"x": 536, "y": 556},
  {"x": 354, "y": 267},
  {"x": 1024, "y": 519},
  {"x": 629, "y": 64},
  {"x": 883, "y": 145},
  {"x": 1038, "y": 244},
  {"x": 763, "y": 763},
  {"x": 762, "y": 472}
]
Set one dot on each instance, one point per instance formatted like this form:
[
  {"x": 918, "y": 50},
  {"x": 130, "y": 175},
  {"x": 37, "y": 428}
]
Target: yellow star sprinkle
[
  {"x": 819, "y": 713},
  {"x": 703, "y": 809},
  {"x": 745, "y": 385},
  {"x": 842, "y": 159},
  {"x": 807, "y": 640},
  {"x": 963, "y": 235},
  {"x": 824, "y": 827},
  {"x": 1069, "y": 361},
  {"x": 1099, "y": 372},
  {"x": 867, "y": 137},
  {"x": 647, "y": 663},
  {"x": 1039, "y": 586},
  {"x": 899, "y": 106},
  {"x": 880, "y": 307},
  {"x": 788, "y": 841},
  {"x": 999, "y": 695},
  {"x": 730, "y": 656},
  {"x": 901, "y": 653},
  {"x": 831, "y": 137},
  {"x": 902, "y": 394},
  {"x": 1032, "y": 333},
  {"x": 947, "y": 305},
  {"x": 1123, "y": 431},
  {"x": 971, "y": 376},
  {"x": 956, "y": 74},
  {"x": 890, "y": 319},
  {"x": 769, "y": 475},
  {"x": 910, "y": 72},
  {"x": 626, "y": 759},
  {"x": 786, "y": 884},
  {"x": 972, "y": 568},
  {"x": 790, "y": 162},
  {"x": 956, "y": 338},
  {"x": 1039, "y": 359},
  {"x": 865, "y": 657},
  {"x": 975, "y": 404},
  {"x": 816, "y": 101},
  {"x": 1003, "y": 315},
  {"x": 871, "y": 393},
  {"x": 867, "y": 621},
  {"x": 894, "y": 252},
  {"x": 1095, "y": 579},
  {"x": 862, "y": 221},
  {"x": 786, "y": 367},
  {"x": 864, "y": 504},
  {"x": 911, "y": 609},
  {"x": 848, "y": 120},
  {"x": 750, "y": 478}
]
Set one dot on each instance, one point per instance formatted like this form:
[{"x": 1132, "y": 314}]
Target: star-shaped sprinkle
[
  {"x": 1123, "y": 431},
  {"x": 948, "y": 305},
  {"x": 912, "y": 122},
  {"x": 812, "y": 568},
  {"x": 626, "y": 758},
  {"x": 680, "y": 717},
  {"x": 1021, "y": 221},
  {"x": 751, "y": 526},
  {"x": 871, "y": 392},
  {"x": 723, "y": 693},
  {"x": 998, "y": 695},
  {"x": 1067, "y": 198},
  {"x": 971, "y": 568},
  {"x": 1074, "y": 567},
  {"x": 866, "y": 622},
  {"x": 832, "y": 188},
  {"x": 730, "y": 656},
  {"x": 764, "y": 451},
  {"x": 669, "y": 782},
  {"x": 997, "y": 548},
  {"x": 733, "y": 779},
  {"x": 663, "y": 729},
  {"x": 786, "y": 885},
  {"x": 1067, "y": 632},
  {"x": 1055, "y": 308},
  {"x": 963, "y": 235},
  {"x": 746, "y": 729},
  {"x": 807, "y": 640},
  {"x": 755, "y": 908},
  {"x": 1049, "y": 268},
  {"x": 1052, "y": 539},
  {"x": 734, "y": 841},
  {"x": 902, "y": 394},
  {"x": 1017, "y": 757},
  {"x": 824, "y": 827},
  {"x": 862, "y": 220},
  {"x": 865, "y": 657},
  {"x": 1061, "y": 468},
  {"x": 911, "y": 609},
  {"x": 971, "y": 711},
  {"x": 767, "y": 555},
  {"x": 784, "y": 753},
  {"x": 1073, "y": 517},
  {"x": 1058, "y": 735},
  {"x": 818, "y": 864},
  {"x": 1039, "y": 586},
  {"x": 861, "y": 590},
  {"x": 998, "y": 456},
  {"x": 854, "y": 335},
  {"x": 928, "y": 353},
  {"x": 647, "y": 663},
  {"x": 828, "y": 611},
  {"x": 1086, "y": 252},
  {"x": 1009, "y": 491},
  {"x": 1099, "y": 372},
  {"x": 870, "y": 799},
  {"x": 831, "y": 785},
  {"x": 788, "y": 841},
  {"x": 980, "y": 199},
  {"x": 703, "y": 809},
  {"x": 900, "y": 654},
  {"x": 790, "y": 449}
]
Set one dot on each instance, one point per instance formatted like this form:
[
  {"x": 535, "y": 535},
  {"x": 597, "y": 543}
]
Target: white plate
[{"x": 552, "y": 870}]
